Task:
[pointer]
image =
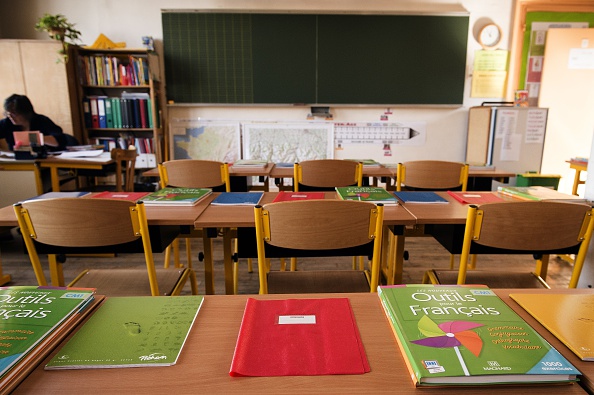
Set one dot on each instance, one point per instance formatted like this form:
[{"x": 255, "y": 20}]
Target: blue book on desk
[
  {"x": 419, "y": 197},
  {"x": 238, "y": 199}
]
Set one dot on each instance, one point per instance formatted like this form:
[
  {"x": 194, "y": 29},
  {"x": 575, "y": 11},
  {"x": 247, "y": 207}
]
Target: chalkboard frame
[{"x": 235, "y": 58}]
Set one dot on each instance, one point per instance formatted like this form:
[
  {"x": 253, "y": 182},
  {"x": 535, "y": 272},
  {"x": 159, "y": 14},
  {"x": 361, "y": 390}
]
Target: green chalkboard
[{"x": 236, "y": 58}]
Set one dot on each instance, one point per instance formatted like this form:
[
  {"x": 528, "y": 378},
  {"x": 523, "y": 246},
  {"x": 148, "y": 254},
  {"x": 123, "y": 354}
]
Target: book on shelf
[
  {"x": 58, "y": 195},
  {"x": 237, "y": 199},
  {"x": 250, "y": 163},
  {"x": 367, "y": 194},
  {"x": 132, "y": 196},
  {"x": 475, "y": 197},
  {"x": 176, "y": 196},
  {"x": 467, "y": 335},
  {"x": 419, "y": 197},
  {"x": 323, "y": 333},
  {"x": 131, "y": 331},
  {"x": 568, "y": 317},
  {"x": 284, "y": 196},
  {"x": 30, "y": 314},
  {"x": 539, "y": 193}
]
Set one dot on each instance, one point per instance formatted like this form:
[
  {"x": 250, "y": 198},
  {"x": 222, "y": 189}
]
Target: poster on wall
[
  {"x": 205, "y": 140},
  {"x": 286, "y": 142}
]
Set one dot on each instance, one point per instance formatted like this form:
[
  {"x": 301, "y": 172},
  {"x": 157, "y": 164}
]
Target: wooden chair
[
  {"x": 326, "y": 174},
  {"x": 538, "y": 228},
  {"x": 92, "y": 226},
  {"x": 318, "y": 228},
  {"x": 432, "y": 175},
  {"x": 193, "y": 173},
  {"x": 123, "y": 168},
  {"x": 125, "y": 160}
]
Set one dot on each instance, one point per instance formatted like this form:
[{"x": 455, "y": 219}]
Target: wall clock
[{"x": 490, "y": 36}]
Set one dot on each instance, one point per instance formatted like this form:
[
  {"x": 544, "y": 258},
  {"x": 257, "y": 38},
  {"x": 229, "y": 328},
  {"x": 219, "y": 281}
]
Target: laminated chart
[
  {"x": 205, "y": 140},
  {"x": 376, "y": 138},
  {"x": 282, "y": 142}
]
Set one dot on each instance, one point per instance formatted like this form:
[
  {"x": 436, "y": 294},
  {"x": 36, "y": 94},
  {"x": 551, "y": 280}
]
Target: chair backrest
[
  {"x": 79, "y": 222},
  {"x": 194, "y": 173},
  {"x": 325, "y": 174},
  {"x": 530, "y": 227},
  {"x": 125, "y": 160},
  {"x": 319, "y": 225},
  {"x": 432, "y": 174}
]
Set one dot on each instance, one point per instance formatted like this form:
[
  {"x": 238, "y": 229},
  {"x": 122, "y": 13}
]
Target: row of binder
[
  {"x": 113, "y": 71},
  {"x": 143, "y": 145},
  {"x": 118, "y": 113}
]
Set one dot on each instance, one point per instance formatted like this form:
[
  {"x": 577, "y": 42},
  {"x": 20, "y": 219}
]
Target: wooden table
[
  {"x": 205, "y": 361},
  {"x": 578, "y": 166},
  {"x": 55, "y": 163},
  {"x": 23, "y": 165},
  {"x": 226, "y": 217}
]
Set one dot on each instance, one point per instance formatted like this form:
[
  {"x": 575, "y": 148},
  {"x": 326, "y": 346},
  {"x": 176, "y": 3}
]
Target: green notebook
[
  {"x": 466, "y": 335},
  {"x": 28, "y": 314},
  {"x": 367, "y": 194},
  {"x": 131, "y": 332}
]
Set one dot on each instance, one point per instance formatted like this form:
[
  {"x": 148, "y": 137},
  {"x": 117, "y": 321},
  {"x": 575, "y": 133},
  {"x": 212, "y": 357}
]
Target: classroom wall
[{"x": 128, "y": 21}]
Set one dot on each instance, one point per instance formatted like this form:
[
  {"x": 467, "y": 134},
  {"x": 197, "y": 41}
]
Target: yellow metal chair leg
[
  {"x": 208, "y": 265},
  {"x": 293, "y": 264},
  {"x": 56, "y": 272},
  {"x": 542, "y": 267}
]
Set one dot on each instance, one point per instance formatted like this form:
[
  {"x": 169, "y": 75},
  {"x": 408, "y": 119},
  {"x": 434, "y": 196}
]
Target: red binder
[{"x": 298, "y": 337}]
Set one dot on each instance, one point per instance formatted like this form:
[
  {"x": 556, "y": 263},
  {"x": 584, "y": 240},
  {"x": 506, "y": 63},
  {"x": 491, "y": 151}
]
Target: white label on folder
[{"x": 296, "y": 319}]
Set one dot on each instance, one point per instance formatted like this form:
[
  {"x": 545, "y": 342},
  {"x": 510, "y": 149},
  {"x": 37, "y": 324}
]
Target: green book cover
[
  {"x": 367, "y": 194},
  {"x": 29, "y": 313},
  {"x": 131, "y": 331},
  {"x": 176, "y": 196},
  {"x": 466, "y": 335},
  {"x": 538, "y": 193}
]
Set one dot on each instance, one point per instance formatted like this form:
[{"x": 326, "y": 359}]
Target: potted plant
[{"x": 58, "y": 28}]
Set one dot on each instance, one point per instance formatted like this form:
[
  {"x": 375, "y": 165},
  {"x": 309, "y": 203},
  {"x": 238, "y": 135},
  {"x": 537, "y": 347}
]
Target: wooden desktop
[{"x": 206, "y": 359}]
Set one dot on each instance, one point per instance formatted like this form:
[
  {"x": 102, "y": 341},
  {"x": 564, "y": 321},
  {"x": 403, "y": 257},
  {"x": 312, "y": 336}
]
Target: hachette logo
[{"x": 153, "y": 357}]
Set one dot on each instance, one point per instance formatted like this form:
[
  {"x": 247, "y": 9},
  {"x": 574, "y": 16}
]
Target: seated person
[{"x": 20, "y": 116}]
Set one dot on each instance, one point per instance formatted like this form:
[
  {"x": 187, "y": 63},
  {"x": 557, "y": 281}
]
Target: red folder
[
  {"x": 475, "y": 197},
  {"x": 298, "y": 337}
]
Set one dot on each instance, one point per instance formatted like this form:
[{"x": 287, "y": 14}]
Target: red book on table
[
  {"x": 298, "y": 337},
  {"x": 475, "y": 197},
  {"x": 284, "y": 196}
]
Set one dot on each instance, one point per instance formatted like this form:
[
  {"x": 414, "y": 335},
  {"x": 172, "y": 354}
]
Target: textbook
[
  {"x": 29, "y": 314},
  {"x": 298, "y": 337},
  {"x": 132, "y": 196},
  {"x": 539, "y": 193},
  {"x": 419, "y": 197},
  {"x": 475, "y": 197},
  {"x": 569, "y": 317},
  {"x": 57, "y": 195},
  {"x": 466, "y": 335},
  {"x": 237, "y": 199},
  {"x": 176, "y": 196},
  {"x": 131, "y": 331},
  {"x": 367, "y": 162},
  {"x": 284, "y": 196},
  {"x": 367, "y": 194}
]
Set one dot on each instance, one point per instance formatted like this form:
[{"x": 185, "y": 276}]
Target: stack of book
[
  {"x": 466, "y": 335},
  {"x": 539, "y": 193},
  {"x": 33, "y": 321},
  {"x": 367, "y": 194},
  {"x": 176, "y": 196}
]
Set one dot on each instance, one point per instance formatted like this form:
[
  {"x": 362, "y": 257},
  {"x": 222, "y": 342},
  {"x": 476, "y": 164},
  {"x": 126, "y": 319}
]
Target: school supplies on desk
[
  {"x": 58, "y": 195},
  {"x": 284, "y": 196},
  {"x": 131, "y": 332},
  {"x": 367, "y": 194},
  {"x": 419, "y": 197},
  {"x": 298, "y": 337},
  {"x": 176, "y": 196},
  {"x": 539, "y": 193},
  {"x": 569, "y": 317},
  {"x": 132, "y": 196},
  {"x": 237, "y": 199},
  {"x": 475, "y": 197},
  {"x": 466, "y": 335}
]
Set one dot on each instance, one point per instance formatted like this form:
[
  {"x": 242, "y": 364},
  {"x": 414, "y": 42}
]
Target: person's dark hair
[{"x": 19, "y": 104}]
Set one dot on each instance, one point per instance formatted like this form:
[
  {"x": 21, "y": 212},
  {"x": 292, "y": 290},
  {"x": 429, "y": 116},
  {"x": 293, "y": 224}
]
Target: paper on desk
[
  {"x": 298, "y": 337},
  {"x": 80, "y": 154}
]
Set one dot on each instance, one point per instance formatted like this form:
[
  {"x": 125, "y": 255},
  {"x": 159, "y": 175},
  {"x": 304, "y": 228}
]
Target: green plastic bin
[{"x": 537, "y": 179}]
